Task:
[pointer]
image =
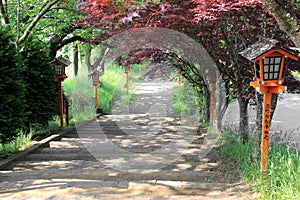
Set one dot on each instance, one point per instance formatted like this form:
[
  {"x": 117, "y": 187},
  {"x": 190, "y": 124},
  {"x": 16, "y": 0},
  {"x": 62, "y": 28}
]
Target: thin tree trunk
[
  {"x": 258, "y": 122},
  {"x": 3, "y": 13},
  {"x": 274, "y": 100},
  {"x": 221, "y": 102},
  {"x": 244, "y": 125},
  {"x": 206, "y": 102},
  {"x": 99, "y": 63},
  {"x": 76, "y": 60}
]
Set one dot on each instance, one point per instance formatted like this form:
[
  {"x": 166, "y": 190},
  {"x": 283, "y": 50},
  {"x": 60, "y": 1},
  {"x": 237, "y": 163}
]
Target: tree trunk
[
  {"x": 274, "y": 100},
  {"x": 75, "y": 59},
  {"x": 258, "y": 122},
  {"x": 99, "y": 63},
  {"x": 244, "y": 129},
  {"x": 3, "y": 13},
  {"x": 286, "y": 20},
  {"x": 206, "y": 105},
  {"x": 222, "y": 102}
]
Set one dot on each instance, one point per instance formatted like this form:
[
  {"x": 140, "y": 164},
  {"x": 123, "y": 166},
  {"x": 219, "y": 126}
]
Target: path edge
[{"x": 5, "y": 162}]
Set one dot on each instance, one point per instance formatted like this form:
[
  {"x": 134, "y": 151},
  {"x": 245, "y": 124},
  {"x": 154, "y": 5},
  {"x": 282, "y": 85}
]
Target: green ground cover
[{"x": 282, "y": 180}]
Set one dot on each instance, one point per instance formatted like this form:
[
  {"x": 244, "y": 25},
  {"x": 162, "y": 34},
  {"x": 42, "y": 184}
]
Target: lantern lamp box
[
  {"x": 268, "y": 58},
  {"x": 59, "y": 65},
  {"x": 94, "y": 75}
]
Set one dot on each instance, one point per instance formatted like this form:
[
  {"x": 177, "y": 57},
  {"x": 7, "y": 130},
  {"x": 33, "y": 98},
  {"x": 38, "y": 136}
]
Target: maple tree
[
  {"x": 238, "y": 25},
  {"x": 287, "y": 14},
  {"x": 223, "y": 27}
]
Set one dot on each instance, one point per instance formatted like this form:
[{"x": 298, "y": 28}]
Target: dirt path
[{"x": 148, "y": 152}]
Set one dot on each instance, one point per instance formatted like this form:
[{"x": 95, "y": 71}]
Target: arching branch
[
  {"x": 36, "y": 19},
  {"x": 99, "y": 63},
  {"x": 286, "y": 20}
]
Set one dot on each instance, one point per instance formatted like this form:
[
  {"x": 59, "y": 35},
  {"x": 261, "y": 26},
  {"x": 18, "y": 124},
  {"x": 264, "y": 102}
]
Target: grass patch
[
  {"x": 112, "y": 88},
  {"x": 19, "y": 143},
  {"x": 283, "y": 178}
]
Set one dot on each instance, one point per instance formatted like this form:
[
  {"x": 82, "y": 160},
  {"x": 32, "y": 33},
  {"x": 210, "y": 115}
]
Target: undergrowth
[
  {"x": 81, "y": 95},
  {"x": 112, "y": 88},
  {"x": 282, "y": 180},
  {"x": 21, "y": 142}
]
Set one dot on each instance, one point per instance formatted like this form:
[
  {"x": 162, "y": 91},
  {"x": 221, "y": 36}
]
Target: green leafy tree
[
  {"x": 12, "y": 90},
  {"x": 41, "y": 94}
]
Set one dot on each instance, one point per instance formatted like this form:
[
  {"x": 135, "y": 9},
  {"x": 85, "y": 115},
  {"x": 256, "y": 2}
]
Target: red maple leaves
[{"x": 207, "y": 10}]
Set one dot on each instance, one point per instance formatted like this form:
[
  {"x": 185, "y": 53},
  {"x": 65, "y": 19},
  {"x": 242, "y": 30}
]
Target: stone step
[
  {"x": 105, "y": 189},
  {"x": 180, "y": 165},
  {"x": 65, "y": 143},
  {"x": 97, "y": 195},
  {"x": 59, "y": 150},
  {"x": 84, "y": 155},
  {"x": 100, "y": 173}
]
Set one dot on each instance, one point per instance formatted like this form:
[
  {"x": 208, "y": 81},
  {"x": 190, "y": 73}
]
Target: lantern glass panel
[
  {"x": 266, "y": 68},
  {"x": 95, "y": 78},
  {"x": 271, "y": 68},
  {"x": 58, "y": 70},
  {"x": 257, "y": 67}
]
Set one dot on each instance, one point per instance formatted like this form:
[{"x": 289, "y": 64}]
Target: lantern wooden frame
[{"x": 258, "y": 53}]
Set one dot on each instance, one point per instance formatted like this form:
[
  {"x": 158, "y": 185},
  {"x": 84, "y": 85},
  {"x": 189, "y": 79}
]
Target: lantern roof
[
  {"x": 61, "y": 61},
  {"x": 263, "y": 46},
  {"x": 95, "y": 72}
]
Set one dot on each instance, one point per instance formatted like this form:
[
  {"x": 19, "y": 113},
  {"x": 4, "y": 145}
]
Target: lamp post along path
[
  {"x": 94, "y": 75},
  {"x": 268, "y": 59},
  {"x": 127, "y": 70},
  {"x": 59, "y": 65}
]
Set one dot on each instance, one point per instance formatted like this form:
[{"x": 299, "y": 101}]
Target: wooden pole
[
  {"x": 126, "y": 82},
  {"x": 265, "y": 134},
  {"x": 96, "y": 96},
  {"x": 60, "y": 95},
  {"x": 213, "y": 89}
]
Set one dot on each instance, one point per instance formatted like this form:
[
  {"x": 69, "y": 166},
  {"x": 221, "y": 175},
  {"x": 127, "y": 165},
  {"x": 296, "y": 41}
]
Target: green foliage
[
  {"x": 12, "y": 89},
  {"x": 81, "y": 92},
  {"x": 41, "y": 90},
  {"x": 283, "y": 178},
  {"x": 186, "y": 98},
  {"x": 19, "y": 143},
  {"x": 247, "y": 161},
  {"x": 295, "y": 3},
  {"x": 296, "y": 75}
]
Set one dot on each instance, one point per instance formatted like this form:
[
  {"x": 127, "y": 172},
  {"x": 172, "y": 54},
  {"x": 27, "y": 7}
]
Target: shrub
[{"x": 12, "y": 89}]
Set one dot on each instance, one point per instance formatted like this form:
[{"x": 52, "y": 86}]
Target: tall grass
[
  {"x": 19, "y": 143},
  {"x": 112, "y": 88},
  {"x": 81, "y": 95},
  {"x": 283, "y": 178}
]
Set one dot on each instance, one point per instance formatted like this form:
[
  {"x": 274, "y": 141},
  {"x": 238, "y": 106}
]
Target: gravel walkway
[{"x": 147, "y": 152}]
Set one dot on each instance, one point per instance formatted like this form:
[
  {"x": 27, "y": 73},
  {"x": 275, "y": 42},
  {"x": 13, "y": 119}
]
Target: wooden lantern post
[
  {"x": 94, "y": 75},
  {"x": 268, "y": 59},
  {"x": 212, "y": 81},
  {"x": 59, "y": 65},
  {"x": 127, "y": 71}
]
